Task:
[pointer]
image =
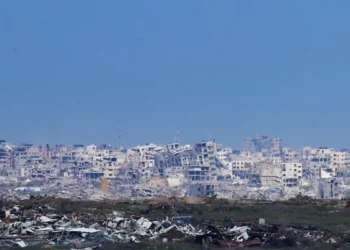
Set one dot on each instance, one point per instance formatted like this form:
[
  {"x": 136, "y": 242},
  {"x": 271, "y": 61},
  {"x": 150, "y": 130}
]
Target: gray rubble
[{"x": 35, "y": 227}]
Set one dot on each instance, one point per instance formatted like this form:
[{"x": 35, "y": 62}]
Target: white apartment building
[
  {"x": 291, "y": 174},
  {"x": 91, "y": 149},
  {"x": 242, "y": 165},
  {"x": 110, "y": 172},
  {"x": 339, "y": 160},
  {"x": 325, "y": 160},
  {"x": 245, "y": 160}
]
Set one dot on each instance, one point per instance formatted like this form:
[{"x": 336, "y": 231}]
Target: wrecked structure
[
  {"x": 175, "y": 169},
  {"x": 49, "y": 223}
]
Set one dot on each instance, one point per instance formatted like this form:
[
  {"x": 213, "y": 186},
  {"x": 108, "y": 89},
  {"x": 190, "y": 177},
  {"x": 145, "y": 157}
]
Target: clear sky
[{"x": 71, "y": 71}]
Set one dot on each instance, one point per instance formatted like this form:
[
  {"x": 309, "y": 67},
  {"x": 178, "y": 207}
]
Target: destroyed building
[
  {"x": 201, "y": 190},
  {"x": 328, "y": 189},
  {"x": 172, "y": 169}
]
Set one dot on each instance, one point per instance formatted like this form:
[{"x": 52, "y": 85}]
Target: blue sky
[{"x": 71, "y": 71}]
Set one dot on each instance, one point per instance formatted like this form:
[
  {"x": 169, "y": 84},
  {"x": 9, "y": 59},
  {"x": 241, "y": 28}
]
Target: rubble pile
[
  {"x": 40, "y": 226},
  {"x": 9, "y": 195},
  {"x": 72, "y": 189}
]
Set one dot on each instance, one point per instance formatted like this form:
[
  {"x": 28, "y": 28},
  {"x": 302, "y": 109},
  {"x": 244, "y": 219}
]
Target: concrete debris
[
  {"x": 261, "y": 221},
  {"x": 29, "y": 229}
]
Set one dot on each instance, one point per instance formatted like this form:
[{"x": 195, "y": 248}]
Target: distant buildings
[
  {"x": 291, "y": 174},
  {"x": 203, "y": 169},
  {"x": 5, "y": 155},
  {"x": 201, "y": 190}
]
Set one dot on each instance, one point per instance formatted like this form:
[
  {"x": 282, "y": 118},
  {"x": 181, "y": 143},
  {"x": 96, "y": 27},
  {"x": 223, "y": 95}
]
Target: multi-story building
[
  {"x": 291, "y": 155},
  {"x": 316, "y": 161},
  {"x": 20, "y": 156},
  {"x": 339, "y": 160},
  {"x": 291, "y": 174},
  {"x": 188, "y": 157},
  {"x": 6, "y": 156},
  {"x": 198, "y": 173},
  {"x": 224, "y": 156},
  {"x": 110, "y": 172},
  {"x": 206, "y": 152},
  {"x": 328, "y": 189},
  {"x": 146, "y": 154},
  {"x": 245, "y": 164},
  {"x": 201, "y": 190}
]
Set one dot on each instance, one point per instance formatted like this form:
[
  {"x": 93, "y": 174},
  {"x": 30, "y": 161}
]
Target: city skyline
[{"x": 263, "y": 163}]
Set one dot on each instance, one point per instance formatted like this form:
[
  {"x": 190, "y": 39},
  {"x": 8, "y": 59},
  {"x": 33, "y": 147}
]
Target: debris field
[{"x": 49, "y": 223}]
